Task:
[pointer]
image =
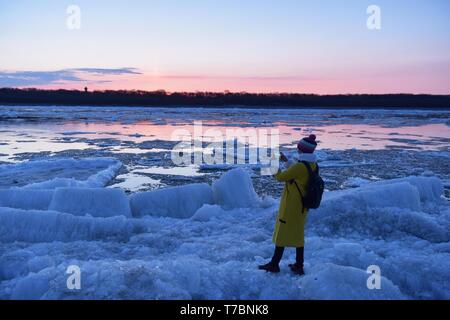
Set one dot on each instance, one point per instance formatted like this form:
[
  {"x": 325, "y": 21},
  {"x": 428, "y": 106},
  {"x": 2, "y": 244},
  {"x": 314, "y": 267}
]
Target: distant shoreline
[
  {"x": 28, "y": 97},
  {"x": 226, "y": 107}
]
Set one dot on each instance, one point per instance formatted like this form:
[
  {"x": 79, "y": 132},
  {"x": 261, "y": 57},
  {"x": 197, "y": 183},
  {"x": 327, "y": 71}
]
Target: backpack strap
[
  {"x": 310, "y": 173},
  {"x": 310, "y": 170},
  {"x": 299, "y": 191},
  {"x": 301, "y": 196}
]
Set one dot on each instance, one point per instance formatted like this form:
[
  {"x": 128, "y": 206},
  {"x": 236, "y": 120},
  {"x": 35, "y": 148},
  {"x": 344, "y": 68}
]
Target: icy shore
[{"x": 204, "y": 241}]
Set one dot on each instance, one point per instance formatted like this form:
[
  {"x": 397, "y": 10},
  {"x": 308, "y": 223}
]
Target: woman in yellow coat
[{"x": 290, "y": 224}]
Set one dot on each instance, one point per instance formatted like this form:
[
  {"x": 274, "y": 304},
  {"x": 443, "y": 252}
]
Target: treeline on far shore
[{"x": 219, "y": 99}]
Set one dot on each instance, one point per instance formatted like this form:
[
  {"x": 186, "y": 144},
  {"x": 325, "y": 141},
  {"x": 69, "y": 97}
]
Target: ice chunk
[
  {"x": 57, "y": 183},
  {"x": 175, "y": 202},
  {"x": 382, "y": 223},
  {"x": 36, "y": 264},
  {"x": 47, "y": 226},
  {"x": 59, "y": 172},
  {"x": 13, "y": 264},
  {"x": 354, "y": 182},
  {"x": 227, "y": 166},
  {"x": 330, "y": 281},
  {"x": 32, "y": 286},
  {"x": 400, "y": 195},
  {"x": 430, "y": 188},
  {"x": 208, "y": 212},
  {"x": 382, "y": 209},
  {"x": 392, "y": 224},
  {"x": 95, "y": 202},
  {"x": 235, "y": 189},
  {"x": 97, "y": 180},
  {"x": 26, "y": 199},
  {"x": 21, "y": 262}
]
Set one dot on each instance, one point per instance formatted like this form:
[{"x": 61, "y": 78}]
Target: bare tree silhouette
[{"x": 222, "y": 99}]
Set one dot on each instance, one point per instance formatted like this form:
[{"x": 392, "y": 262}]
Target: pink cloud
[{"x": 432, "y": 79}]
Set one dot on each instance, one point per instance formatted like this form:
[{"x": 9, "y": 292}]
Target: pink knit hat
[{"x": 308, "y": 144}]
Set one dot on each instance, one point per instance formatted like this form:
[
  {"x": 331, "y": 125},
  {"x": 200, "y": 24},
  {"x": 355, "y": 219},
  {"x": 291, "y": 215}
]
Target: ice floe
[{"x": 204, "y": 241}]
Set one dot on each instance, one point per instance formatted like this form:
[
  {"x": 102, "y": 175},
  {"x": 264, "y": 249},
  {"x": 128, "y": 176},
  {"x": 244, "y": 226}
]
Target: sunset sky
[{"x": 320, "y": 46}]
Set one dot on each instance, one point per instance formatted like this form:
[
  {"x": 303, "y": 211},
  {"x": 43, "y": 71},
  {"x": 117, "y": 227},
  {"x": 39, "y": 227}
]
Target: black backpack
[{"x": 314, "y": 189}]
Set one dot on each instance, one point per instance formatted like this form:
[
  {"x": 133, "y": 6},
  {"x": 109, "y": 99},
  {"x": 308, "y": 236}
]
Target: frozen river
[
  {"x": 96, "y": 188},
  {"x": 142, "y": 138}
]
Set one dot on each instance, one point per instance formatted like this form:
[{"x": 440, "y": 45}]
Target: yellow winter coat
[{"x": 290, "y": 225}]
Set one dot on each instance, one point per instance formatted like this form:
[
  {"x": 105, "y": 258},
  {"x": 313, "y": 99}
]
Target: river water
[{"x": 143, "y": 138}]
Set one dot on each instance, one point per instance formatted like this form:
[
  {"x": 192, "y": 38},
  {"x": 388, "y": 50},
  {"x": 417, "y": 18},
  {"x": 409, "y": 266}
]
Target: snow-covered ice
[
  {"x": 386, "y": 209},
  {"x": 204, "y": 241},
  {"x": 354, "y": 182},
  {"x": 175, "y": 202},
  {"x": 89, "y": 201},
  {"x": 26, "y": 199},
  {"x": 48, "y": 226},
  {"x": 65, "y": 172},
  {"x": 235, "y": 190}
]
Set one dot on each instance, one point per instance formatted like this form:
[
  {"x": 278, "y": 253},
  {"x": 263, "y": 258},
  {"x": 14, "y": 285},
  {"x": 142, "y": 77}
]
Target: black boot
[
  {"x": 297, "y": 267},
  {"x": 270, "y": 267},
  {"x": 273, "y": 265}
]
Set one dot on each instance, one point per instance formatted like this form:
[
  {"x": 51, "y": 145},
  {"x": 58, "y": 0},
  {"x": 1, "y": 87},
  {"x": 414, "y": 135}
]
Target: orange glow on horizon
[{"x": 336, "y": 84}]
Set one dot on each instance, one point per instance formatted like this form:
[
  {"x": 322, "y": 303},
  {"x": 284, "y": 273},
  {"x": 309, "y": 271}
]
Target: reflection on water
[
  {"x": 133, "y": 182},
  {"x": 129, "y": 138},
  {"x": 144, "y": 145},
  {"x": 120, "y": 149},
  {"x": 137, "y": 178},
  {"x": 187, "y": 171},
  {"x": 15, "y": 141},
  {"x": 372, "y": 137},
  {"x": 335, "y": 137}
]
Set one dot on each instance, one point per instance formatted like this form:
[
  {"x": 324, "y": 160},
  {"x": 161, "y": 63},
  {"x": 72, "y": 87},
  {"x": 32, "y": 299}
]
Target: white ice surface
[
  {"x": 26, "y": 199},
  {"x": 235, "y": 190},
  {"x": 59, "y": 172},
  {"x": 195, "y": 243},
  {"x": 176, "y": 202},
  {"x": 96, "y": 202},
  {"x": 354, "y": 182},
  {"x": 47, "y": 226}
]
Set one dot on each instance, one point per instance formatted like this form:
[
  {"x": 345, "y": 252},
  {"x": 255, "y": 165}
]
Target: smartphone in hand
[{"x": 283, "y": 158}]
